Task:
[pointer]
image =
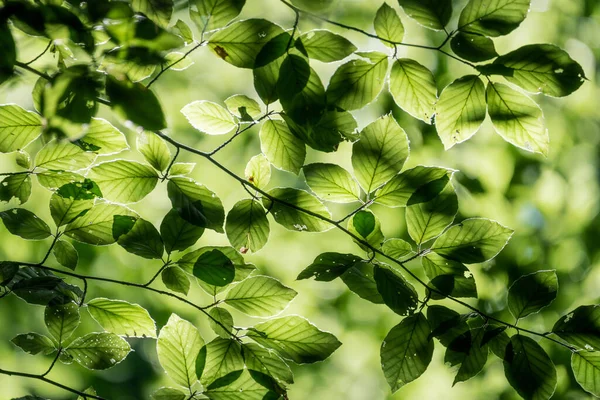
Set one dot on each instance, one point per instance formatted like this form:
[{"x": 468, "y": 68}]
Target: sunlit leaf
[
  {"x": 530, "y": 293},
  {"x": 413, "y": 88},
  {"x": 586, "y": 368},
  {"x": 122, "y": 318},
  {"x": 221, "y": 322},
  {"x": 25, "y": 224},
  {"x": 493, "y": 18},
  {"x": 65, "y": 254},
  {"x": 18, "y": 127},
  {"x": 124, "y": 181},
  {"x": 96, "y": 226},
  {"x": 223, "y": 356},
  {"x": 15, "y": 186},
  {"x": 243, "y": 107},
  {"x": 432, "y": 14},
  {"x": 98, "y": 350},
  {"x": 286, "y": 210},
  {"x": 214, "y": 268},
  {"x": 103, "y": 138},
  {"x": 283, "y": 149},
  {"x": 209, "y": 15},
  {"x": 260, "y": 296},
  {"x": 398, "y": 191},
  {"x": 323, "y": 45},
  {"x": 331, "y": 182},
  {"x": 154, "y": 149},
  {"x": 388, "y": 25},
  {"x": 247, "y": 226},
  {"x": 209, "y": 117},
  {"x": 61, "y": 320}
]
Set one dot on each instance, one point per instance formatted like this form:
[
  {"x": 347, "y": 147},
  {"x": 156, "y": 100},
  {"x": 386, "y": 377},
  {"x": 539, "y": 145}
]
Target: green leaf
[
  {"x": 96, "y": 226},
  {"x": 240, "y": 42},
  {"x": 25, "y": 224},
  {"x": 406, "y": 351},
  {"x": 398, "y": 191},
  {"x": 209, "y": 15},
  {"x": 23, "y": 159},
  {"x": 214, "y": 268},
  {"x": 209, "y": 117},
  {"x": 266, "y": 361},
  {"x": 413, "y": 88},
  {"x": 182, "y": 30},
  {"x": 65, "y": 254},
  {"x": 267, "y": 66},
  {"x": 447, "y": 326},
  {"x": 136, "y": 103},
  {"x": 542, "y": 68},
  {"x": 63, "y": 155},
  {"x": 313, "y": 5},
  {"x": 432, "y": 14},
  {"x": 359, "y": 279},
  {"x": 98, "y": 350},
  {"x": 16, "y": 186},
  {"x": 142, "y": 240},
  {"x": 175, "y": 279},
  {"x": 124, "y": 181},
  {"x": 300, "y": 90},
  {"x": 328, "y": 266},
  {"x": 388, "y": 25},
  {"x": 399, "y": 295},
  {"x": 159, "y": 11},
  {"x": 473, "y": 47},
  {"x": 122, "y": 318},
  {"x": 260, "y": 296},
  {"x": 449, "y": 277},
  {"x": 154, "y": 149},
  {"x": 258, "y": 171},
  {"x": 180, "y": 168},
  {"x": 586, "y": 368},
  {"x": 295, "y": 338},
  {"x": 8, "y": 270},
  {"x": 177, "y": 61},
  {"x": 72, "y": 200},
  {"x": 397, "y": 248},
  {"x": 325, "y": 46},
  {"x": 495, "y": 18},
  {"x": 223, "y": 356},
  {"x": 474, "y": 240},
  {"x": 238, "y": 387},
  {"x": 34, "y": 343},
  {"x": 39, "y": 286},
  {"x": 498, "y": 343},
  {"x": 62, "y": 320},
  {"x": 247, "y": 226},
  {"x": 103, "y": 138},
  {"x": 460, "y": 111},
  {"x": 529, "y": 369},
  {"x": 18, "y": 127},
  {"x": 178, "y": 345},
  {"x": 286, "y": 210},
  {"x": 284, "y": 150},
  {"x": 380, "y": 153},
  {"x": 366, "y": 226},
  {"x": 55, "y": 179},
  {"x": 177, "y": 233},
  {"x": 167, "y": 393},
  {"x": 472, "y": 358},
  {"x": 581, "y": 327},
  {"x": 7, "y": 63},
  {"x": 431, "y": 209},
  {"x": 221, "y": 322},
  {"x": 242, "y": 270},
  {"x": 530, "y": 293},
  {"x": 243, "y": 107},
  {"x": 357, "y": 83},
  {"x": 196, "y": 204},
  {"x": 331, "y": 182}
]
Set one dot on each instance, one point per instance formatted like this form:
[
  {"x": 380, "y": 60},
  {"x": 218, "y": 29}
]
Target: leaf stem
[{"x": 163, "y": 70}]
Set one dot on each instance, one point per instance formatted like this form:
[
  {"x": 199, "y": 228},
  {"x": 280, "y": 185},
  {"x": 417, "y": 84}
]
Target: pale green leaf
[
  {"x": 221, "y": 322},
  {"x": 243, "y": 107},
  {"x": 178, "y": 61},
  {"x": 15, "y": 186},
  {"x": 397, "y": 248},
  {"x": 124, "y": 181},
  {"x": 406, "y": 351},
  {"x": 154, "y": 149},
  {"x": 96, "y": 226},
  {"x": 63, "y": 155},
  {"x": 56, "y": 179},
  {"x": 331, "y": 182},
  {"x": 474, "y": 240},
  {"x": 266, "y": 361},
  {"x": 460, "y": 111},
  {"x": 295, "y": 338},
  {"x": 23, "y": 159},
  {"x": 286, "y": 210},
  {"x": 380, "y": 153},
  {"x": 493, "y": 18},
  {"x": 283, "y": 149},
  {"x": 196, "y": 204},
  {"x": 98, "y": 350},
  {"x": 223, "y": 356},
  {"x": 180, "y": 168},
  {"x": 72, "y": 200},
  {"x": 367, "y": 227},
  {"x": 388, "y": 25},
  {"x": 34, "y": 343},
  {"x": 586, "y": 368},
  {"x": 258, "y": 171},
  {"x": 182, "y": 30},
  {"x": 529, "y": 369},
  {"x": 325, "y": 46},
  {"x": 247, "y": 226},
  {"x": 398, "y": 191},
  {"x": 167, "y": 393},
  {"x": 209, "y": 15},
  {"x": 209, "y": 117},
  {"x": 103, "y": 138},
  {"x": 243, "y": 387},
  {"x": 260, "y": 296},
  {"x": 122, "y": 318},
  {"x": 18, "y": 127},
  {"x": 178, "y": 345},
  {"x": 159, "y": 11},
  {"x": 357, "y": 83},
  {"x": 413, "y": 88},
  {"x": 532, "y": 292}
]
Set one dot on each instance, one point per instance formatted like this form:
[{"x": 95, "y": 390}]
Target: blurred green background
[{"x": 552, "y": 203}]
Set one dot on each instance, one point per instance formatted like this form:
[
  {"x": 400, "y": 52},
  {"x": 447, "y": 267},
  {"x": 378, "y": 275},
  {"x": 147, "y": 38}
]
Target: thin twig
[
  {"x": 238, "y": 132},
  {"x": 163, "y": 70},
  {"x": 58, "y": 352},
  {"x": 33, "y": 70},
  {"x": 170, "y": 165},
  {"x": 41, "y": 54}
]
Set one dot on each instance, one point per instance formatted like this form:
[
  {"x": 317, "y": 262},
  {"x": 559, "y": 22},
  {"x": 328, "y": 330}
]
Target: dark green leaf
[
  {"x": 359, "y": 279},
  {"x": 142, "y": 240},
  {"x": 177, "y": 233},
  {"x": 530, "y": 293},
  {"x": 8, "y": 270},
  {"x": 581, "y": 327},
  {"x": 25, "y": 224},
  {"x": 34, "y": 343},
  {"x": 449, "y": 277},
  {"x": 175, "y": 279},
  {"x": 62, "y": 320},
  {"x": 328, "y": 266},
  {"x": 432, "y": 14},
  {"x": 133, "y": 102},
  {"x": 398, "y": 191},
  {"x": 9, "y": 57},
  {"x": 15, "y": 186},
  {"x": 324, "y": 45},
  {"x": 159, "y": 11},
  {"x": 65, "y": 254},
  {"x": 196, "y": 204},
  {"x": 495, "y": 18},
  {"x": 472, "y": 357},
  {"x": 214, "y": 268},
  {"x": 396, "y": 292},
  {"x": 286, "y": 211},
  {"x": 406, "y": 351},
  {"x": 473, "y": 47}
]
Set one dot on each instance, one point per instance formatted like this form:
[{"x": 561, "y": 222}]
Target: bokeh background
[{"x": 552, "y": 203}]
